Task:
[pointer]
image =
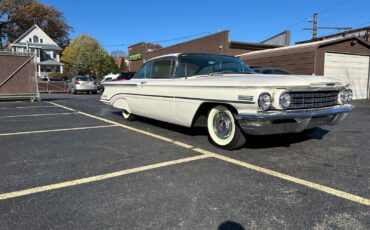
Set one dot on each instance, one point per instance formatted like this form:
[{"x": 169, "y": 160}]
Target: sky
[{"x": 118, "y": 23}]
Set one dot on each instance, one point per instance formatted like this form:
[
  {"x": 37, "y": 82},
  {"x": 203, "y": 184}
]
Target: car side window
[
  {"x": 278, "y": 71},
  {"x": 144, "y": 72},
  {"x": 268, "y": 71},
  {"x": 186, "y": 69},
  {"x": 162, "y": 68}
]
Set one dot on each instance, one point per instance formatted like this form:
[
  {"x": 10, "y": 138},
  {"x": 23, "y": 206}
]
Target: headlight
[
  {"x": 264, "y": 101},
  {"x": 285, "y": 100},
  {"x": 346, "y": 96}
]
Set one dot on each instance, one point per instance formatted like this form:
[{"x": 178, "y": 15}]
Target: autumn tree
[
  {"x": 84, "y": 55},
  {"x": 123, "y": 66},
  {"x": 17, "y": 16}
]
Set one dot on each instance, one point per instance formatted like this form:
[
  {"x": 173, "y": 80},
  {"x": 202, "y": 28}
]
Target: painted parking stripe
[
  {"x": 36, "y": 115},
  {"x": 28, "y": 107},
  {"x": 31, "y": 107},
  {"x": 309, "y": 184},
  {"x": 312, "y": 185},
  {"x": 45, "y": 188},
  {"x": 56, "y": 130},
  {"x": 61, "y": 106}
]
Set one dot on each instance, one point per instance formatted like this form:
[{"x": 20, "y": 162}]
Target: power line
[
  {"x": 321, "y": 12},
  {"x": 165, "y": 40},
  {"x": 363, "y": 24},
  {"x": 333, "y": 7},
  {"x": 315, "y": 27},
  {"x": 347, "y": 12}
]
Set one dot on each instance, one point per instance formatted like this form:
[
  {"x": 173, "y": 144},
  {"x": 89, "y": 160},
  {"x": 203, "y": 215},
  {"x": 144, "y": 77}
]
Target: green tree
[
  {"x": 84, "y": 55},
  {"x": 17, "y": 16}
]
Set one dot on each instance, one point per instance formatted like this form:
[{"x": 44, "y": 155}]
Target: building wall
[
  {"x": 305, "y": 61},
  {"x": 235, "y": 50},
  {"x": 139, "y": 48},
  {"x": 40, "y": 34},
  {"x": 217, "y": 43},
  {"x": 298, "y": 63}
]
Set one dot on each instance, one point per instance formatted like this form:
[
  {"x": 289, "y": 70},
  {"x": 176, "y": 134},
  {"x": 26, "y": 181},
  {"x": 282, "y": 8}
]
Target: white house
[{"x": 47, "y": 52}]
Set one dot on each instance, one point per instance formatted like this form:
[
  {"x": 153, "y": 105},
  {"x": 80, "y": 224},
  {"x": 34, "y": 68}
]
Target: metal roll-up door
[{"x": 351, "y": 69}]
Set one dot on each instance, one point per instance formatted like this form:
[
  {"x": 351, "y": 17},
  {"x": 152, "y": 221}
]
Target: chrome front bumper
[{"x": 294, "y": 121}]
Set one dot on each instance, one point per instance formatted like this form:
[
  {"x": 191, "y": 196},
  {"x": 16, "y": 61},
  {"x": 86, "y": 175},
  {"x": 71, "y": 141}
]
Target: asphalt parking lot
[{"x": 71, "y": 162}]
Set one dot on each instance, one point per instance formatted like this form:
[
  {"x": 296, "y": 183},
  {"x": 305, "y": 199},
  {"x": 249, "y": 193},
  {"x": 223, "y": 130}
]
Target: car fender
[{"x": 121, "y": 103}]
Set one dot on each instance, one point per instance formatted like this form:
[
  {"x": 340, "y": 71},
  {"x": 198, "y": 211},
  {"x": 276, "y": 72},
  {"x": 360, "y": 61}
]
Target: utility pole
[{"x": 315, "y": 27}]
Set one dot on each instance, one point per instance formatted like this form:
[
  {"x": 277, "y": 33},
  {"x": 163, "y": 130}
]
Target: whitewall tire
[
  {"x": 223, "y": 131},
  {"x": 127, "y": 115}
]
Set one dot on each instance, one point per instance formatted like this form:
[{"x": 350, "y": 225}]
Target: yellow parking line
[
  {"x": 56, "y": 130},
  {"x": 28, "y": 107},
  {"x": 29, "y": 191},
  {"x": 322, "y": 188},
  {"x": 31, "y": 107},
  {"x": 61, "y": 106},
  {"x": 36, "y": 115},
  {"x": 121, "y": 125},
  {"x": 309, "y": 184}
]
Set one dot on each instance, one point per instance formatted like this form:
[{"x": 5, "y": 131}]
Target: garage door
[{"x": 351, "y": 69}]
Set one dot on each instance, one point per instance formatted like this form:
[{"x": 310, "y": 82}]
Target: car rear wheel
[
  {"x": 223, "y": 131},
  {"x": 128, "y": 116}
]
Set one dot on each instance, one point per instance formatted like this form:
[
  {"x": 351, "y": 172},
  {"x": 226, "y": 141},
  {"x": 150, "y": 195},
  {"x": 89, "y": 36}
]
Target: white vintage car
[{"x": 225, "y": 95}]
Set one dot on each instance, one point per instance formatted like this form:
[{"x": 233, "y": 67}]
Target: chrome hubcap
[{"x": 222, "y": 125}]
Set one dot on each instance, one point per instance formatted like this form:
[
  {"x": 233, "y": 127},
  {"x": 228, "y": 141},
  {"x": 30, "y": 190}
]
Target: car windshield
[{"x": 206, "y": 64}]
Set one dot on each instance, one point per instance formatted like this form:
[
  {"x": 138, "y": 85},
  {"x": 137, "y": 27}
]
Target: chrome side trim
[
  {"x": 296, "y": 114},
  {"x": 245, "y": 98},
  {"x": 183, "y": 98}
]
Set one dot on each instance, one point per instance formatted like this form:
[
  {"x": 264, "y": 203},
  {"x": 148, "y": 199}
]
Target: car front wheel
[{"x": 223, "y": 130}]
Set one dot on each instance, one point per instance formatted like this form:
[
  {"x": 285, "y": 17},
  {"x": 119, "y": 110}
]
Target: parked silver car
[{"x": 82, "y": 84}]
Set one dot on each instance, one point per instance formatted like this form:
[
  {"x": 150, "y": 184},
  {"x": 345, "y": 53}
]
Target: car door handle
[{"x": 143, "y": 82}]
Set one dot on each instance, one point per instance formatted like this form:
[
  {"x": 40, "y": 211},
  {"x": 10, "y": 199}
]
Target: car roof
[
  {"x": 166, "y": 55},
  {"x": 178, "y": 54},
  {"x": 264, "y": 68}
]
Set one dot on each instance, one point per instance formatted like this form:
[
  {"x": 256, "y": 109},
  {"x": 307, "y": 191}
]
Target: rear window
[{"x": 84, "y": 79}]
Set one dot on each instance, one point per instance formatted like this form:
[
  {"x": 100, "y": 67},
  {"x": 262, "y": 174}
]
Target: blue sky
[{"x": 115, "y": 22}]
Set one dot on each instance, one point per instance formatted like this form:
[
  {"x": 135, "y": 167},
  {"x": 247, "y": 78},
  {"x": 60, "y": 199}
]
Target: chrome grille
[{"x": 307, "y": 100}]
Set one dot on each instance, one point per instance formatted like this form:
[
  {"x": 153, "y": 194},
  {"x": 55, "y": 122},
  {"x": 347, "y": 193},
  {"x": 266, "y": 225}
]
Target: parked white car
[{"x": 225, "y": 95}]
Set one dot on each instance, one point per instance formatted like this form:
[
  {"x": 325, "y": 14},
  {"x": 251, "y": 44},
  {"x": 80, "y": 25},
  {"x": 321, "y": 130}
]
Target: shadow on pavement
[
  {"x": 283, "y": 140},
  {"x": 253, "y": 142},
  {"x": 230, "y": 225}
]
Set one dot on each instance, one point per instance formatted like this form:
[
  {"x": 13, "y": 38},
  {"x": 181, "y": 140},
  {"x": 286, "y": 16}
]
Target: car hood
[{"x": 267, "y": 80}]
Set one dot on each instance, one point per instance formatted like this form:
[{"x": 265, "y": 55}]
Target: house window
[
  {"x": 30, "y": 39},
  {"x": 41, "y": 40},
  {"x": 35, "y": 39}
]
